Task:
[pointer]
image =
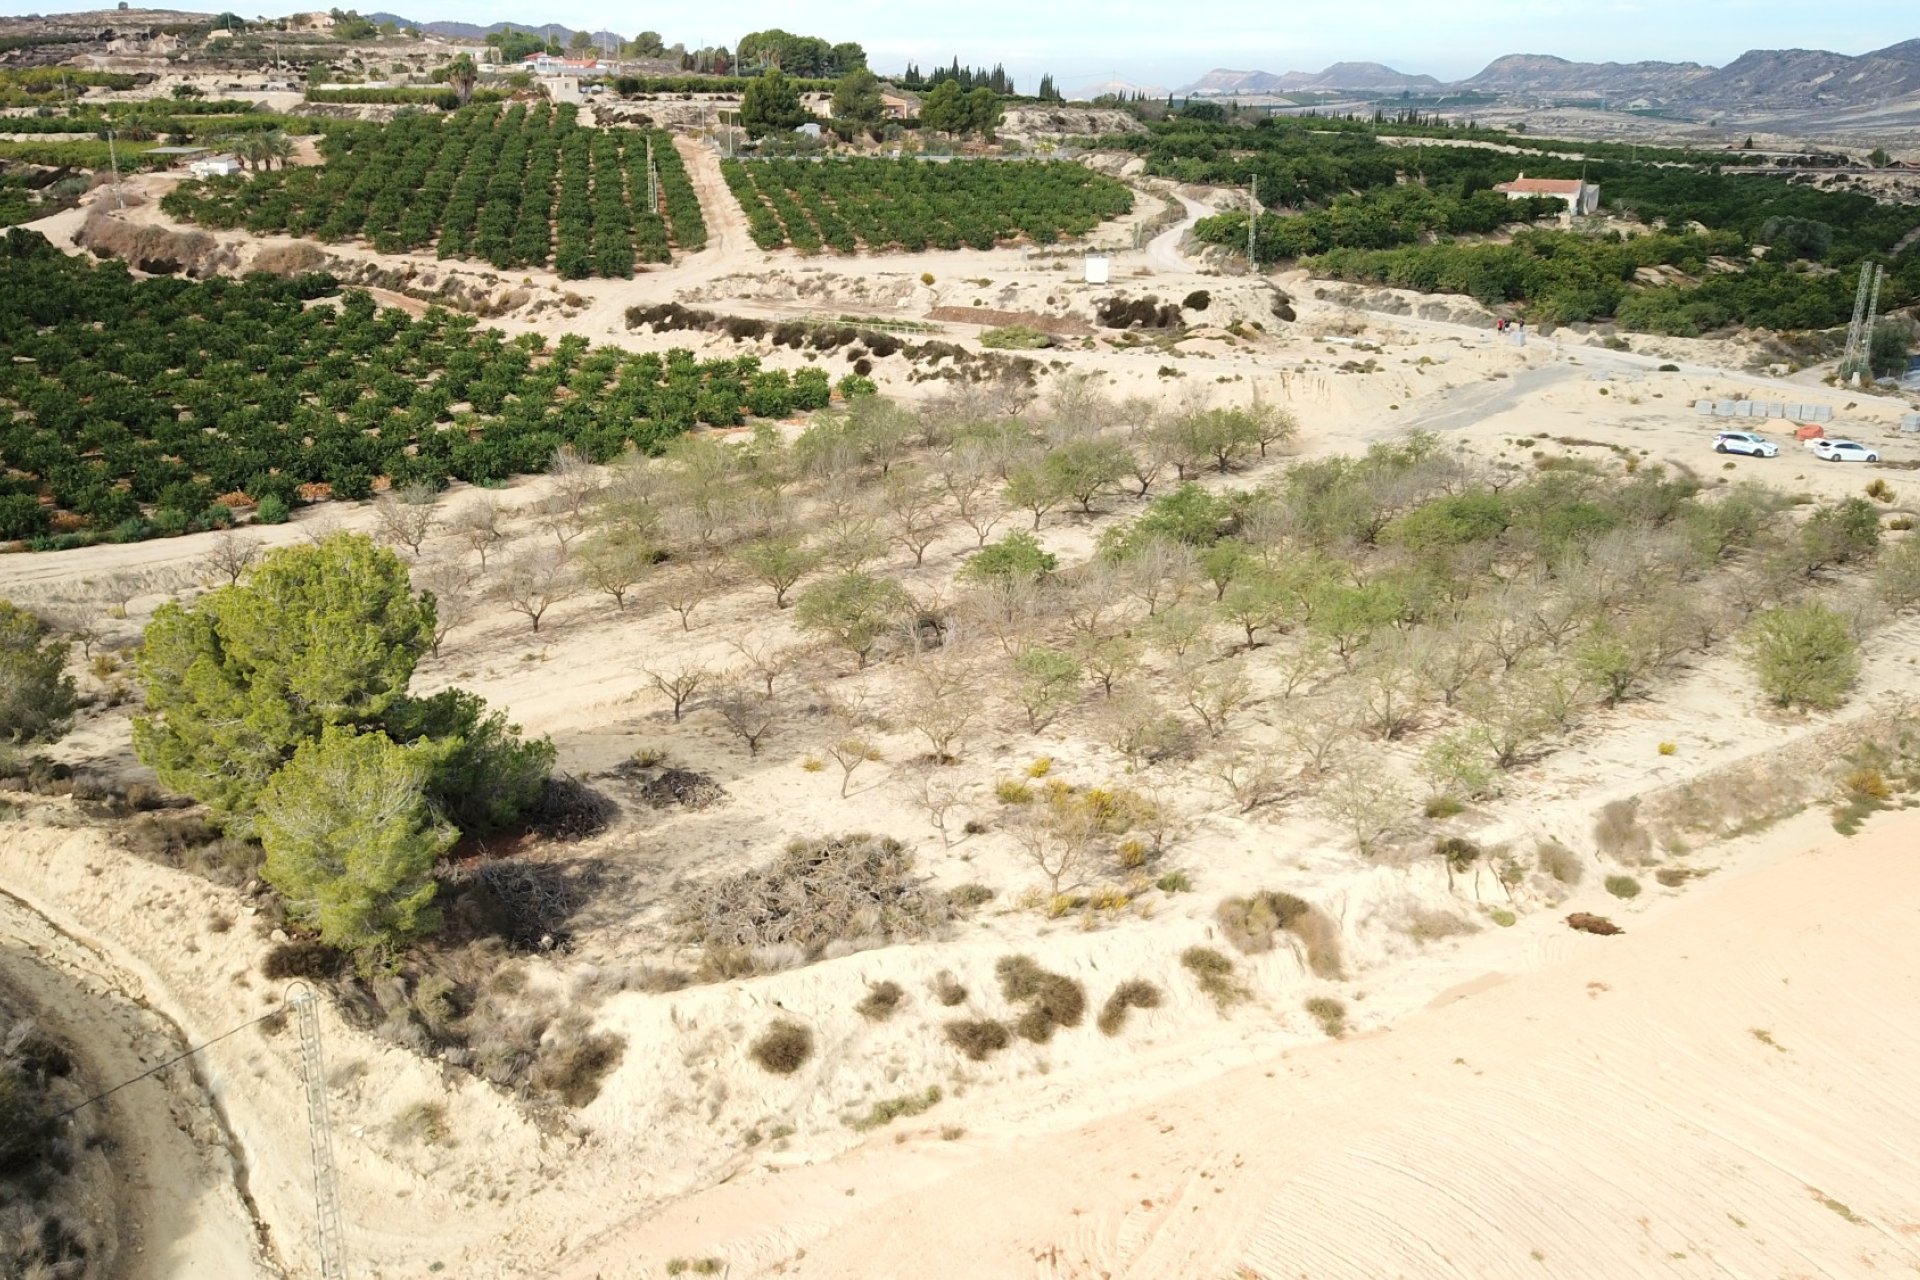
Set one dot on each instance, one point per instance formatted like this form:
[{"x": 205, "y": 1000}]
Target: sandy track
[
  {"x": 1725, "y": 1091},
  {"x": 179, "y": 1205}
]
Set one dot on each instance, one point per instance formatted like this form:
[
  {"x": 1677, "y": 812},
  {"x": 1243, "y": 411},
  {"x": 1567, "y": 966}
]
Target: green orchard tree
[{"x": 36, "y": 696}]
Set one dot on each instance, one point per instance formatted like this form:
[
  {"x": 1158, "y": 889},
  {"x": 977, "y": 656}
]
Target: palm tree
[
  {"x": 461, "y": 74},
  {"x": 276, "y": 145}
]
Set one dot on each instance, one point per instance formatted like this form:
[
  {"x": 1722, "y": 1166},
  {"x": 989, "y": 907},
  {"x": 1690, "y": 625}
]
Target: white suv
[
  {"x": 1745, "y": 442},
  {"x": 1844, "y": 451}
]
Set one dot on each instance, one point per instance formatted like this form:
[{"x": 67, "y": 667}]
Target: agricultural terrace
[
  {"x": 1362, "y": 202},
  {"x": 847, "y": 205},
  {"x": 135, "y": 407},
  {"x": 523, "y": 187}
]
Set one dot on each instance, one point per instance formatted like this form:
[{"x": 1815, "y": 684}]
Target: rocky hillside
[{"x": 1761, "y": 80}]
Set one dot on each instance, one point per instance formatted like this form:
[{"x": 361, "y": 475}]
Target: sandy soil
[{"x": 1678, "y": 1101}]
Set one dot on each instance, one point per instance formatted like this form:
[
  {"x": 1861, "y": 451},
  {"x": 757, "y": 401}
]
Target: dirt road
[{"x": 182, "y": 1210}]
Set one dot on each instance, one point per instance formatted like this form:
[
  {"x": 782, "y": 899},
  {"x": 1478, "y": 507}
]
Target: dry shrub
[
  {"x": 188, "y": 842},
  {"x": 1330, "y": 1014},
  {"x": 1560, "y": 862},
  {"x": 1135, "y": 994},
  {"x": 1623, "y": 886},
  {"x": 574, "y": 1060},
  {"x": 1867, "y": 782},
  {"x": 681, "y": 788},
  {"x": 783, "y": 1048},
  {"x": 297, "y": 259},
  {"x": 424, "y": 1123},
  {"x": 882, "y": 1001},
  {"x": 947, "y": 989},
  {"x": 1216, "y": 976},
  {"x": 1252, "y": 923},
  {"x": 1587, "y": 922},
  {"x": 1052, "y": 1000},
  {"x": 978, "y": 1038},
  {"x": 968, "y": 897},
  {"x": 856, "y": 889},
  {"x": 302, "y": 958},
  {"x": 1618, "y": 834},
  {"x": 1425, "y": 924}
]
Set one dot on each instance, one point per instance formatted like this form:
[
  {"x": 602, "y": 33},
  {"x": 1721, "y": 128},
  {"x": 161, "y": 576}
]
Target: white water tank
[{"x": 1099, "y": 267}]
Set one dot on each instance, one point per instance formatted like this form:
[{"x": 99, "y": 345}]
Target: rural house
[{"x": 1580, "y": 197}]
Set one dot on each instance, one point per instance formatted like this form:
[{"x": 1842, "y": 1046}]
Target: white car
[
  {"x": 1745, "y": 442},
  {"x": 1844, "y": 451}
]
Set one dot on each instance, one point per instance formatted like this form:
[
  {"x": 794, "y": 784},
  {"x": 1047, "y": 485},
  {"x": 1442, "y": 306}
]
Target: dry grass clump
[
  {"x": 948, "y": 990},
  {"x": 1128, "y": 996},
  {"x": 423, "y": 1123},
  {"x": 1052, "y": 1000},
  {"x": 1216, "y": 976},
  {"x": 188, "y": 842},
  {"x": 855, "y": 891},
  {"x": 1618, "y": 834},
  {"x": 978, "y": 1038},
  {"x": 888, "y": 1110},
  {"x": 881, "y": 1002},
  {"x": 1251, "y": 924},
  {"x": 1330, "y": 1014},
  {"x": 783, "y": 1048},
  {"x": 1560, "y": 862}
]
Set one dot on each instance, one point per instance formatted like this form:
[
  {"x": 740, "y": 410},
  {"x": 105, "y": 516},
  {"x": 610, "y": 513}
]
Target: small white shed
[
  {"x": 1099, "y": 268},
  {"x": 215, "y": 167}
]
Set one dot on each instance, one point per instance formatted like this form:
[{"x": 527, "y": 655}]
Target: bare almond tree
[
  {"x": 452, "y": 586},
  {"x": 1140, "y": 728},
  {"x": 1059, "y": 841},
  {"x": 407, "y": 516},
  {"x": 477, "y": 526},
  {"x": 850, "y": 753},
  {"x": 227, "y": 560},
  {"x": 574, "y": 485},
  {"x": 974, "y": 488},
  {"x": 1252, "y": 777},
  {"x": 1368, "y": 804},
  {"x": 1320, "y": 728},
  {"x": 913, "y": 509},
  {"x": 931, "y": 790},
  {"x": 765, "y": 658},
  {"x": 1109, "y": 659},
  {"x": 748, "y": 712},
  {"x": 534, "y": 581},
  {"x": 1160, "y": 572},
  {"x": 1214, "y": 691},
  {"x": 689, "y": 586},
  {"x": 678, "y": 683},
  {"x": 940, "y": 703}
]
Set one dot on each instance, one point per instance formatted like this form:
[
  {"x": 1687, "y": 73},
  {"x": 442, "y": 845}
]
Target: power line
[{"x": 181, "y": 1057}]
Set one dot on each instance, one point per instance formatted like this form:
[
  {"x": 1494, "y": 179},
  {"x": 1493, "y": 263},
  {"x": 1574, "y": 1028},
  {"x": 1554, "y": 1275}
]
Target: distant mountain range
[
  {"x": 468, "y": 31},
  {"x": 1761, "y": 80}
]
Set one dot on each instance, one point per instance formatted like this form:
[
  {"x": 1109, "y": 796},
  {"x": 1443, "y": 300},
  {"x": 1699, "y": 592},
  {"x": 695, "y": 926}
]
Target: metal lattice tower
[
  {"x": 1866, "y": 303},
  {"x": 1253, "y": 224},
  {"x": 331, "y": 1237}
]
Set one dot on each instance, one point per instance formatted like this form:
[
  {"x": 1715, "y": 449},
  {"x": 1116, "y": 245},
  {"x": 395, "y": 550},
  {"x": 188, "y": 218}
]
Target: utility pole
[{"x": 331, "y": 1237}]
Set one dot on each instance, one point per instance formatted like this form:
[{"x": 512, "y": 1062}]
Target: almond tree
[
  {"x": 678, "y": 684},
  {"x": 534, "y": 581}
]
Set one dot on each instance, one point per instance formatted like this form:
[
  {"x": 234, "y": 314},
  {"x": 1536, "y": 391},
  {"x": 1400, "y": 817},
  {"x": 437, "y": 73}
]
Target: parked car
[
  {"x": 1844, "y": 451},
  {"x": 1745, "y": 442}
]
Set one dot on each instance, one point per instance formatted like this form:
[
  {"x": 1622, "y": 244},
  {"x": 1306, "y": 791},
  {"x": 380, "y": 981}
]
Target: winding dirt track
[
  {"x": 181, "y": 1212},
  {"x": 1726, "y": 1091}
]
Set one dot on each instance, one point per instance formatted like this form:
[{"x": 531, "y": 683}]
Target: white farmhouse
[
  {"x": 1579, "y": 196},
  {"x": 215, "y": 167}
]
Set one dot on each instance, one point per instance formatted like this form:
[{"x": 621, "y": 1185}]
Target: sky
[{"x": 1150, "y": 42}]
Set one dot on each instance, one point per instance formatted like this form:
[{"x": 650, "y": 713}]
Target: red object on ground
[{"x": 1808, "y": 431}]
